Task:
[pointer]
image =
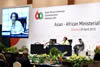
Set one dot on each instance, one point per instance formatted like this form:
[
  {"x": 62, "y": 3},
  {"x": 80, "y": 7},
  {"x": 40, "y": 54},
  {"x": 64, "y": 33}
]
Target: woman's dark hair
[
  {"x": 65, "y": 38},
  {"x": 79, "y": 39},
  {"x": 16, "y": 15}
]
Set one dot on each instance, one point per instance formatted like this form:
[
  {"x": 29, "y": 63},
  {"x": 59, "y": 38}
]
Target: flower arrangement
[
  {"x": 97, "y": 50},
  {"x": 97, "y": 54},
  {"x": 79, "y": 61},
  {"x": 56, "y": 55},
  {"x": 2, "y": 46},
  {"x": 38, "y": 58},
  {"x": 15, "y": 49},
  {"x": 23, "y": 48},
  {"x": 10, "y": 50}
]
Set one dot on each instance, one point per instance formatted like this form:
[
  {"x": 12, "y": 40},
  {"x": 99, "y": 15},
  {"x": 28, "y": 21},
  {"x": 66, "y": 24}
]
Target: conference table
[{"x": 39, "y": 49}]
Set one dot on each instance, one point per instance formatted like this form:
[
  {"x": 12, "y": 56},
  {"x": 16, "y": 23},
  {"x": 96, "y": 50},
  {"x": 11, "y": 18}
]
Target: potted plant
[
  {"x": 2, "y": 46},
  {"x": 38, "y": 58},
  {"x": 97, "y": 53},
  {"x": 78, "y": 61},
  {"x": 67, "y": 62},
  {"x": 23, "y": 48},
  {"x": 10, "y": 50},
  {"x": 55, "y": 56}
]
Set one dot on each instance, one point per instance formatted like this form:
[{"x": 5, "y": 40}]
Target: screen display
[{"x": 15, "y": 22}]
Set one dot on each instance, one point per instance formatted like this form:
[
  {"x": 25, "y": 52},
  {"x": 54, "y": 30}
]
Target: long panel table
[{"x": 38, "y": 49}]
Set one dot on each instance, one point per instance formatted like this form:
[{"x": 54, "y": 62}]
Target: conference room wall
[
  {"x": 12, "y": 3},
  {"x": 48, "y": 3},
  {"x": 0, "y": 15},
  {"x": 86, "y": 1}
]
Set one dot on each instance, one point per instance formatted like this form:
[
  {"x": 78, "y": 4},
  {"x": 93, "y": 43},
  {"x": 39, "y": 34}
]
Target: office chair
[{"x": 23, "y": 22}]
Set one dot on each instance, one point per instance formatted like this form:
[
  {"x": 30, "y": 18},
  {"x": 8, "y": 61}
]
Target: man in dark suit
[{"x": 79, "y": 47}]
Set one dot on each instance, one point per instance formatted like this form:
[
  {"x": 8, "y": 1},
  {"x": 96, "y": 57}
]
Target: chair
[
  {"x": 10, "y": 59},
  {"x": 2, "y": 64},
  {"x": 23, "y": 22},
  {"x": 54, "y": 40},
  {"x": 16, "y": 64},
  {"x": 70, "y": 41}
]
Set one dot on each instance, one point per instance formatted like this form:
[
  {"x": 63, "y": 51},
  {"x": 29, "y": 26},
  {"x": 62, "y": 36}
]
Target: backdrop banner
[{"x": 74, "y": 22}]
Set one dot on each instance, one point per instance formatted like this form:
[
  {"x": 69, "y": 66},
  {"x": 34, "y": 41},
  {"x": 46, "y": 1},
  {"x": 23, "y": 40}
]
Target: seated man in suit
[
  {"x": 78, "y": 47},
  {"x": 65, "y": 41},
  {"x": 51, "y": 42}
]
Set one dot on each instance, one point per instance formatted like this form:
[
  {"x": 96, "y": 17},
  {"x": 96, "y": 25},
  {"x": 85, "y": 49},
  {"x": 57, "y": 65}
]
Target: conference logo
[{"x": 38, "y": 15}]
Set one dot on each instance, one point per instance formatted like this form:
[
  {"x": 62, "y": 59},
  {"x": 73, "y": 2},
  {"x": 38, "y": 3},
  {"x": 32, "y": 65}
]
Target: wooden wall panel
[
  {"x": 86, "y": 1},
  {"x": 29, "y": 1},
  {"x": 12, "y": 3},
  {"x": 71, "y": 2},
  {"x": 48, "y": 3}
]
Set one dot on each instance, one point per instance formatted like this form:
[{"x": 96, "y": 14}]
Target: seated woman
[
  {"x": 65, "y": 41},
  {"x": 16, "y": 26}
]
